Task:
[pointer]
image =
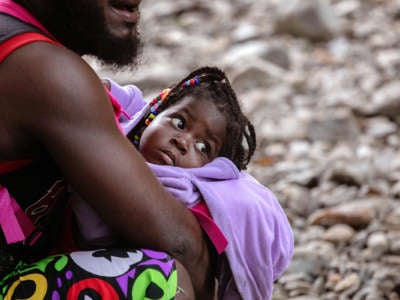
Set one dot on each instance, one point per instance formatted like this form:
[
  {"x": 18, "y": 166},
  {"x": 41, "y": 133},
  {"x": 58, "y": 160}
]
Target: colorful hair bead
[
  {"x": 153, "y": 112},
  {"x": 136, "y": 139},
  {"x": 160, "y": 98},
  {"x": 153, "y": 109},
  {"x": 150, "y": 118},
  {"x": 191, "y": 82},
  {"x": 164, "y": 94}
]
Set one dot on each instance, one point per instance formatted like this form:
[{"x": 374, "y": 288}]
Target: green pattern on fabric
[{"x": 154, "y": 277}]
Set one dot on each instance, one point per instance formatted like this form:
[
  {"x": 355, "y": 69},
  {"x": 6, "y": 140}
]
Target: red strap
[
  {"x": 117, "y": 109},
  {"x": 116, "y": 106},
  {"x": 203, "y": 216},
  {"x": 5, "y": 49},
  {"x": 20, "y": 40},
  {"x": 9, "y": 166},
  {"x": 17, "y": 11}
]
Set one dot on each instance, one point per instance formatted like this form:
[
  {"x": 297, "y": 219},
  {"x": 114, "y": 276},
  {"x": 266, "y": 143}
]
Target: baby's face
[{"x": 188, "y": 134}]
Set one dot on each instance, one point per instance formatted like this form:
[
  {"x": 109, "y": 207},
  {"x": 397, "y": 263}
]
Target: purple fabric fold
[
  {"x": 259, "y": 234},
  {"x": 133, "y": 106}
]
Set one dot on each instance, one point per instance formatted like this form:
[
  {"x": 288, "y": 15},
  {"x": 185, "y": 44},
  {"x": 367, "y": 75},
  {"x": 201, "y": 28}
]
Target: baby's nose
[{"x": 181, "y": 142}]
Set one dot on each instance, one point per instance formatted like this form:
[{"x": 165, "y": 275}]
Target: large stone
[{"x": 312, "y": 19}]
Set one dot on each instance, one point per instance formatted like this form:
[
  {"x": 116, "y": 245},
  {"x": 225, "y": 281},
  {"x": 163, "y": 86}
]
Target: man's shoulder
[
  {"x": 46, "y": 69},
  {"x": 50, "y": 85}
]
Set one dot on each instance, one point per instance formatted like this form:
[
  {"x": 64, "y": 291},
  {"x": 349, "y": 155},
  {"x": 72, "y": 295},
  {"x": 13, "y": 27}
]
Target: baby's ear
[{"x": 106, "y": 83}]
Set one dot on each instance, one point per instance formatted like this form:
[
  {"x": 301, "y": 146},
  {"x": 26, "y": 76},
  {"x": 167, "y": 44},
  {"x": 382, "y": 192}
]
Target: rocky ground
[{"x": 321, "y": 82}]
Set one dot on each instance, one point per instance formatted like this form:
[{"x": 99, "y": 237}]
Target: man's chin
[
  {"x": 119, "y": 54},
  {"x": 120, "y": 60},
  {"x": 126, "y": 63}
]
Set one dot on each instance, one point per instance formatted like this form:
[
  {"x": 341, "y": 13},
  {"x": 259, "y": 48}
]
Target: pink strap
[
  {"x": 202, "y": 214},
  {"x": 15, "y": 224},
  {"x": 13, "y": 9},
  {"x": 117, "y": 109}
]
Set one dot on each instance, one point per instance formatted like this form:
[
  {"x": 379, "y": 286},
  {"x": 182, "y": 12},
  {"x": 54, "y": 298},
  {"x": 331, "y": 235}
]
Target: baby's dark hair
[{"x": 212, "y": 84}]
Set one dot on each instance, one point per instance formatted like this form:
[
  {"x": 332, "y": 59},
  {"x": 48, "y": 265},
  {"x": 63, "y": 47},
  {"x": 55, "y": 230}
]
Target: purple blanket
[{"x": 260, "y": 239}]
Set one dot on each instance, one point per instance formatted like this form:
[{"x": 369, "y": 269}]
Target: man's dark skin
[{"x": 52, "y": 101}]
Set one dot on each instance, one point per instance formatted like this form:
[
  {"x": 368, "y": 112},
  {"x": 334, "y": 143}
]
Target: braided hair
[{"x": 211, "y": 83}]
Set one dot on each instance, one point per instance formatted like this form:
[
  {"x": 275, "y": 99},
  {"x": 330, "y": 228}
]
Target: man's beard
[
  {"x": 82, "y": 28},
  {"x": 116, "y": 52}
]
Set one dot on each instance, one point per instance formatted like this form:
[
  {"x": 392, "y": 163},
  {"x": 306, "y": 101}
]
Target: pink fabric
[
  {"x": 203, "y": 216},
  {"x": 14, "y": 222},
  {"x": 117, "y": 110},
  {"x": 17, "y": 11}
]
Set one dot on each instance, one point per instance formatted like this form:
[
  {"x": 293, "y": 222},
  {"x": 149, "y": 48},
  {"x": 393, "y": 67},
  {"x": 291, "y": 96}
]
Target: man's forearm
[{"x": 201, "y": 273}]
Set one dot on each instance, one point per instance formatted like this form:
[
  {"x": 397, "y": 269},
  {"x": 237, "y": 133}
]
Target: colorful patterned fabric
[{"x": 100, "y": 274}]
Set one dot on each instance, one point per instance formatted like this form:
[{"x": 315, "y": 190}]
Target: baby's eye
[
  {"x": 178, "y": 122},
  {"x": 203, "y": 147}
]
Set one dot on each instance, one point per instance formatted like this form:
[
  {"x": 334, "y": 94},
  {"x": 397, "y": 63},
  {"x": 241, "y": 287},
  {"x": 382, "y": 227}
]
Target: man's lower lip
[{"x": 127, "y": 16}]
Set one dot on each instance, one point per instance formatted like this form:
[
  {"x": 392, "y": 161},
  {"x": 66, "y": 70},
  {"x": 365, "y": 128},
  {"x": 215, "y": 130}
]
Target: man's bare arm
[{"x": 60, "y": 103}]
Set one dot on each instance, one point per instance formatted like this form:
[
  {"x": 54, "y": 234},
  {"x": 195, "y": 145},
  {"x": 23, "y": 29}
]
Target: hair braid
[{"x": 240, "y": 141}]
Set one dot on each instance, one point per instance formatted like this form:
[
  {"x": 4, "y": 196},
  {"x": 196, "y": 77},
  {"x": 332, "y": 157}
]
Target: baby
[{"x": 197, "y": 141}]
